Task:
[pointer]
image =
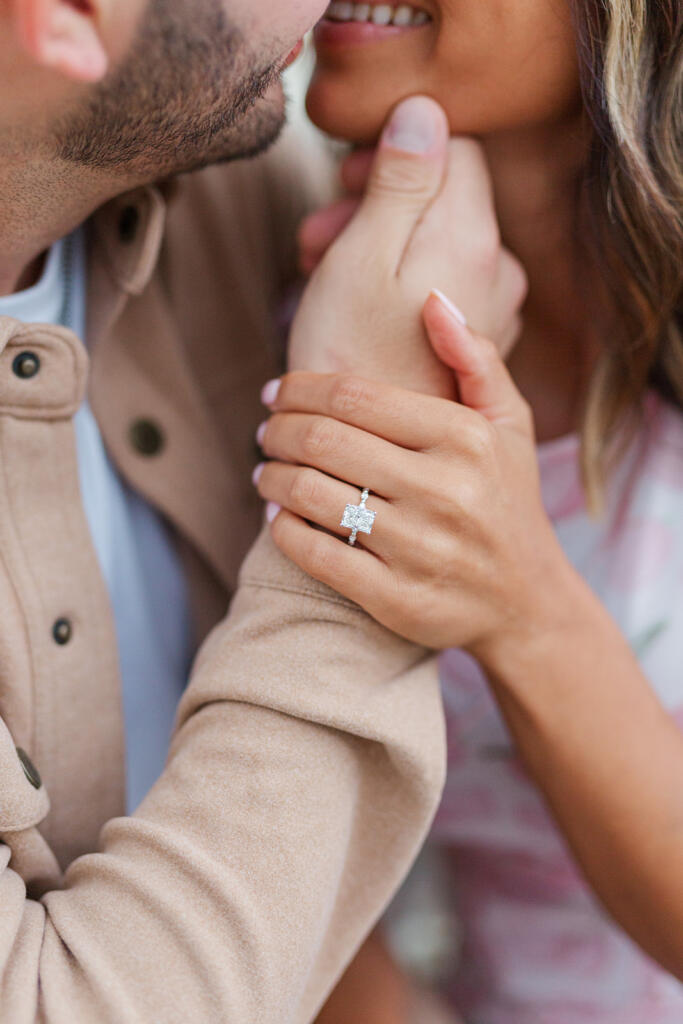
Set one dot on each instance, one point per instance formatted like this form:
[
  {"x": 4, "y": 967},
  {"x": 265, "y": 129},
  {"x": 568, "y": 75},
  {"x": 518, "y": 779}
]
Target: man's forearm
[
  {"x": 302, "y": 778},
  {"x": 608, "y": 758}
]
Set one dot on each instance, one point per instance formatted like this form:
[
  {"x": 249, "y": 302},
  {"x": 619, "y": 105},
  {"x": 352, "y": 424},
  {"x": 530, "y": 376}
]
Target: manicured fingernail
[
  {"x": 272, "y": 511},
  {"x": 261, "y": 432},
  {"x": 258, "y": 472},
  {"x": 450, "y": 306},
  {"x": 413, "y": 127},
  {"x": 270, "y": 391}
]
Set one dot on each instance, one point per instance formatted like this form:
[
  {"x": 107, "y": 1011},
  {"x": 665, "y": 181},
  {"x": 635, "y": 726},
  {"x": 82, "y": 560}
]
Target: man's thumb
[{"x": 407, "y": 173}]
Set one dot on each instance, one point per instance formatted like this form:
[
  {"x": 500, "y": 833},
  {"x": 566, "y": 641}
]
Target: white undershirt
[{"x": 139, "y": 564}]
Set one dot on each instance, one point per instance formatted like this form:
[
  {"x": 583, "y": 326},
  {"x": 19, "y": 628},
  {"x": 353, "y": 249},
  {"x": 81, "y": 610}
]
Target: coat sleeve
[{"x": 306, "y": 766}]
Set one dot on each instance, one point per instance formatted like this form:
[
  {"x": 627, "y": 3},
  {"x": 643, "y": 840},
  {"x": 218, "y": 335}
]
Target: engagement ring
[{"x": 358, "y": 518}]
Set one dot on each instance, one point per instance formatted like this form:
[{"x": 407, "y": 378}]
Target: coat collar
[
  {"x": 141, "y": 370},
  {"x": 125, "y": 241}
]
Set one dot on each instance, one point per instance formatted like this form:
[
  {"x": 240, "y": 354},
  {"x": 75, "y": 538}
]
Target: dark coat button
[
  {"x": 129, "y": 221},
  {"x": 146, "y": 437},
  {"x": 62, "y": 631},
  {"x": 30, "y": 770},
  {"x": 26, "y": 365}
]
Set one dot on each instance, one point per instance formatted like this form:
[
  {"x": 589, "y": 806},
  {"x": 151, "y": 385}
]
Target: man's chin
[
  {"x": 253, "y": 133},
  {"x": 263, "y": 123}
]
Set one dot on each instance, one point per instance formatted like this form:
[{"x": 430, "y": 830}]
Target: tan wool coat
[{"x": 308, "y": 754}]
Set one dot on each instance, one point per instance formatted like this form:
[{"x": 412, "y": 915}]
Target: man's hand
[
  {"x": 462, "y": 553},
  {"x": 427, "y": 221}
]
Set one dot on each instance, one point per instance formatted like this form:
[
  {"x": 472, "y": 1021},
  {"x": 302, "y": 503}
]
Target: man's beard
[{"x": 189, "y": 94}]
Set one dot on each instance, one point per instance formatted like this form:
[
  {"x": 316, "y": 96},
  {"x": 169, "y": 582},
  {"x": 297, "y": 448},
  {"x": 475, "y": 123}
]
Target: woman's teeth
[{"x": 377, "y": 14}]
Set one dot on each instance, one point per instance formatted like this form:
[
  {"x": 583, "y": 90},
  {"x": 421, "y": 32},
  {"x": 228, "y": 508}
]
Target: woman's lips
[{"x": 348, "y": 23}]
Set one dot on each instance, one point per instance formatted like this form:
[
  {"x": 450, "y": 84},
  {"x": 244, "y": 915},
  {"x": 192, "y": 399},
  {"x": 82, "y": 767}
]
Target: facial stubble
[{"x": 191, "y": 92}]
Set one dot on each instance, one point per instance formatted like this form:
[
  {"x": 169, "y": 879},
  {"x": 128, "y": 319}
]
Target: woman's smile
[
  {"x": 492, "y": 65},
  {"x": 347, "y": 24},
  {"x": 401, "y": 15}
]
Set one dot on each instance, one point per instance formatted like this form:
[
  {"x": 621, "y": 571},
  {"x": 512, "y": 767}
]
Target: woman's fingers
[
  {"x": 365, "y": 432},
  {"x": 484, "y": 380},
  {"x": 405, "y": 418},
  {"x": 335, "y": 448},
  {"x": 355, "y": 573},
  {"x": 322, "y": 500}
]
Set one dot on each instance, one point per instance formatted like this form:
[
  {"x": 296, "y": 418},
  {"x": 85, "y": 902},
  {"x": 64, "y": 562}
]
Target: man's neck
[
  {"x": 29, "y": 277},
  {"x": 536, "y": 182},
  {"x": 16, "y": 271},
  {"x": 41, "y": 202}
]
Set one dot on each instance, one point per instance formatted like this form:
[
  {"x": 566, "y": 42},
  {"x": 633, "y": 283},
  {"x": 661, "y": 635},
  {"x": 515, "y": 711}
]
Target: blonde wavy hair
[{"x": 631, "y": 57}]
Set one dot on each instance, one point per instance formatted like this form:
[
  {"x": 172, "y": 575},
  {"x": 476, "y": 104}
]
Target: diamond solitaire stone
[{"x": 358, "y": 518}]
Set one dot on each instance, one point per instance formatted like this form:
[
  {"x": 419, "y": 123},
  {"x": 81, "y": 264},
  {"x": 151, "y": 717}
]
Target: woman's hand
[
  {"x": 462, "y": 551},
  {"x": 427, "y": 220}
]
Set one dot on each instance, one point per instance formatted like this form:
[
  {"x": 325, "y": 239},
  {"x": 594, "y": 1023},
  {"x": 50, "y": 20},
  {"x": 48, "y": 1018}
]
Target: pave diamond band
[{"x": 358, "y": 518}]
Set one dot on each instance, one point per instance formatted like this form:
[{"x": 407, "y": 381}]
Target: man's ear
[{"x": 64, "y": 35}]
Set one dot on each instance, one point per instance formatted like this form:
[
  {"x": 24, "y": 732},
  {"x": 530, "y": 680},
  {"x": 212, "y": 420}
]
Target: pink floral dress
[{"x": 537, "y": 947}]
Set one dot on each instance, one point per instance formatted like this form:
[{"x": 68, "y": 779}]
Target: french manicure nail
[
  {"x": 261, "y": 432},
  {"x": 256, "y": 475},
  {"x": 450, "y": 306},
  {"x": 412, "y": 127},
  {"x": 272, "y": 511},
  {"x": 270, "y": 391}
]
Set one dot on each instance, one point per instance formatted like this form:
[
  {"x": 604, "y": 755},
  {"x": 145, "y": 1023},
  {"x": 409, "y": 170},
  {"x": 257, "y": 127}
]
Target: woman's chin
[{"x": 344, "y": 111}]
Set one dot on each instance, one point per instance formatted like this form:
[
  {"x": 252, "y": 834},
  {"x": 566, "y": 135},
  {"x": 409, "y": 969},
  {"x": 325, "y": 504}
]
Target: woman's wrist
[{"x": 555, "y": 619}]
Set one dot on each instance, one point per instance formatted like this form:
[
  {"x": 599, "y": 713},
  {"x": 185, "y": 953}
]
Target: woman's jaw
[{"x": 492, "y": 65}]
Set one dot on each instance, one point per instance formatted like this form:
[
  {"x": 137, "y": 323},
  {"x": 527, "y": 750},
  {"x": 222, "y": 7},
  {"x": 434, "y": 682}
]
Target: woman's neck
[{"x": 536, "y": 177}]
